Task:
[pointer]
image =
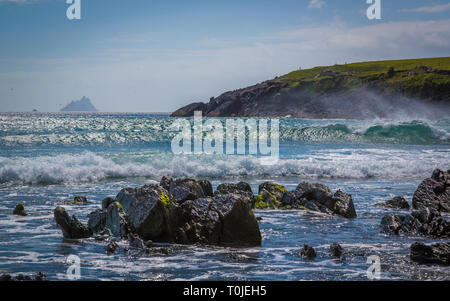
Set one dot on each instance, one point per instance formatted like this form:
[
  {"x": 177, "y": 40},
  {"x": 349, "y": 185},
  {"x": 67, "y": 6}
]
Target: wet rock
[
  {"x": 77, "y": 200},
  {"x": 21, "y": 277},
  {"x": 223, "y": 220},
  {"x": 20, "y": 210},
  {"x": 106, "y": 202},
  {"x": 343, "y": 205},
  {"x": 97, "y": 220},
  {"x": 315, "y": 191},
  {"x": 70, "y": 227},
  {"x": 112, "y": 247},
  {"x": 336, "y": 250},
  {"x": 431, "y": 254},
  {"x": 242, "y": 188},
  {"x": 434, "y": 192},
  {"x": 165, "y": 182},
  {"x": 308, "y": 252},
  {"x": 269, "y": 195},
  {"x": 424, "y": 222},
  {"x": 397, "y": 202},
  {"x": 206, "y": 187},
  {"x": 5, "y": 277},
  {"x": 135, "y": 242},
  {"x": 186, "y": 189},
  {"x": 116, "y": 220},
  {"x": 318, "y": 197},
  {"x": 148, "y": 210},
  {"x": 226, "y": 188}
]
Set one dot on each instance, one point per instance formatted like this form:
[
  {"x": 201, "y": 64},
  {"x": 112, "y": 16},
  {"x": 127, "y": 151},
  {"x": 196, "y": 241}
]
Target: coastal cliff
[{"x": 358, "y": 90}]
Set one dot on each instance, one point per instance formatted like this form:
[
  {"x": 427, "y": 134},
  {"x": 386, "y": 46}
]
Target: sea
[{"x": 47, "y": 158}]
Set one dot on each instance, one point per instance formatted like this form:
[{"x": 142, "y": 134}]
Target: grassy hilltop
[
  {"x": 357, "y": 90},
  {"x": 414, "y": 77}
]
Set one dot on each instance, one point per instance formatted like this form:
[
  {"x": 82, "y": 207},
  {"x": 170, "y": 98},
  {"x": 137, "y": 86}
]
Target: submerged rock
[
  {"x": 112, "y": 247},
  {"x": 431, "y": 254},
  {"x": 397, "y": 202},
  {"x": 308, "y": 252},
  {"x": 71, "y": 228},
  {"x": 336, "y": 250},
  {"x": 77, "y": 200},
  {"x": 434, "y": 192},
  {"x": 21, "y": 277},
  {"x": 20, "y": 210},
  {"x": 420, "y": 222}
]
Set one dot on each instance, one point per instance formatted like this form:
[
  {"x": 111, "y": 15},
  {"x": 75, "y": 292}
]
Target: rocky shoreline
[{"x": 186, "y": 211}]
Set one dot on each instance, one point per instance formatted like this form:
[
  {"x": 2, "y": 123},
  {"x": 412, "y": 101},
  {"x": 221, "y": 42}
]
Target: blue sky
[{"x": 148, "y": 56}]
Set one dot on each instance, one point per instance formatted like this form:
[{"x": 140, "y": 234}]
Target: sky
[{"x": 159, "y": 55}]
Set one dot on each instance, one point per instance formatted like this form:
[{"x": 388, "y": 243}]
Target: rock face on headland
[{"x": 360, "y": 90}]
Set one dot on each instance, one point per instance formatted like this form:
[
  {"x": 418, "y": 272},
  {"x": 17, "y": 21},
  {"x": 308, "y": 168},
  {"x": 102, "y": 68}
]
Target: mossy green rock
[
  {"x": 20, "y": 210},
  {"x": 270, "y": 195}
]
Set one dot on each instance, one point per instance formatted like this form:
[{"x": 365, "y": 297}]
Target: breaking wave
[{"x": 339, "y": 164}]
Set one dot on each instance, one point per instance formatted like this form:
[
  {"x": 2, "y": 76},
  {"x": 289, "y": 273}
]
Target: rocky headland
[{"x": 357, "y": 91}]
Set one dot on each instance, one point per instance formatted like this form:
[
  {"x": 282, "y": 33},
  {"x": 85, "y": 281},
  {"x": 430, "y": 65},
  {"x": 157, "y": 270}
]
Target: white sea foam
[{"x": 343, "y": 163}]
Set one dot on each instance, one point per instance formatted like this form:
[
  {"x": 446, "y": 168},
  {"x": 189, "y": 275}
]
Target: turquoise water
[{"x": 47, "y": 158}]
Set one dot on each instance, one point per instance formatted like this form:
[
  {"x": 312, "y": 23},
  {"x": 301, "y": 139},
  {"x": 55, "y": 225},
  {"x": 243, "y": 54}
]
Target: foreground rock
[
  {"x": 20, "y": 210},
  {"x": 154, "y": 214},
  {"x": 397, "y": 202},
  {"x": 431, "y": 254},
  {"x": 420, "y": 222},
  {"x": 71, "y": 228},
  {"x": 434, "y": 192},
  {"x": 313, "y": 197}
]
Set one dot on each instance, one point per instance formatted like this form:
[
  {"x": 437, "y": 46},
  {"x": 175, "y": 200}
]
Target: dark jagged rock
[
  {"x": 112, "y": 220},
  {"x": 431, "y": 254},
  {"x": 107, "y": 201},
  {"x": 186, "y": 189},
  {"x": 314, "y": 197},
  {"x": 397, "y": 202},
  {"x": 165, "y": 182},
  {"x": 223, "y": 220},
  {"x": 420, "y": 222},
  {"x": 148, "y": 210},
  {"x": 434, "y": 192},
  {"x": 336, "y": 250},
  {"x": 112, "y": 247},
  {"x": 21, "y": 277},
  {"x": 242, "y": 188},
  {"x": 233, "y": 188},
  {"x": 135, "y": 242},
  {"x": 206, "y": 187},
  {"x": 20, "y": 210},
  {"x": 308, "y": 252},
  {"x": 70, "y": 227}
]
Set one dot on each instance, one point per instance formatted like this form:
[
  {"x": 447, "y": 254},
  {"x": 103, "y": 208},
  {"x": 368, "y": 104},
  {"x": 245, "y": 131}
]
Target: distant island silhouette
[{"x": 82, "y": 105}]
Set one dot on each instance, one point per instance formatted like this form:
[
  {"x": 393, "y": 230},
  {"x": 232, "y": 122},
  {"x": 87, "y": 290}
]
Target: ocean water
[{"x": 46, "y": 158}]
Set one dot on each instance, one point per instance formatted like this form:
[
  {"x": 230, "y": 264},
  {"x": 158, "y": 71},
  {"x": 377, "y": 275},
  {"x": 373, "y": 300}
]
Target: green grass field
[{"x": 410, "y": 76}]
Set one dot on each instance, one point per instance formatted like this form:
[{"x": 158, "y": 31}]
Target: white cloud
[
  {"x": 316, "y": 4},
  {"x": 429, "y": 9},
  {"x": 146, "y": 79}
]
